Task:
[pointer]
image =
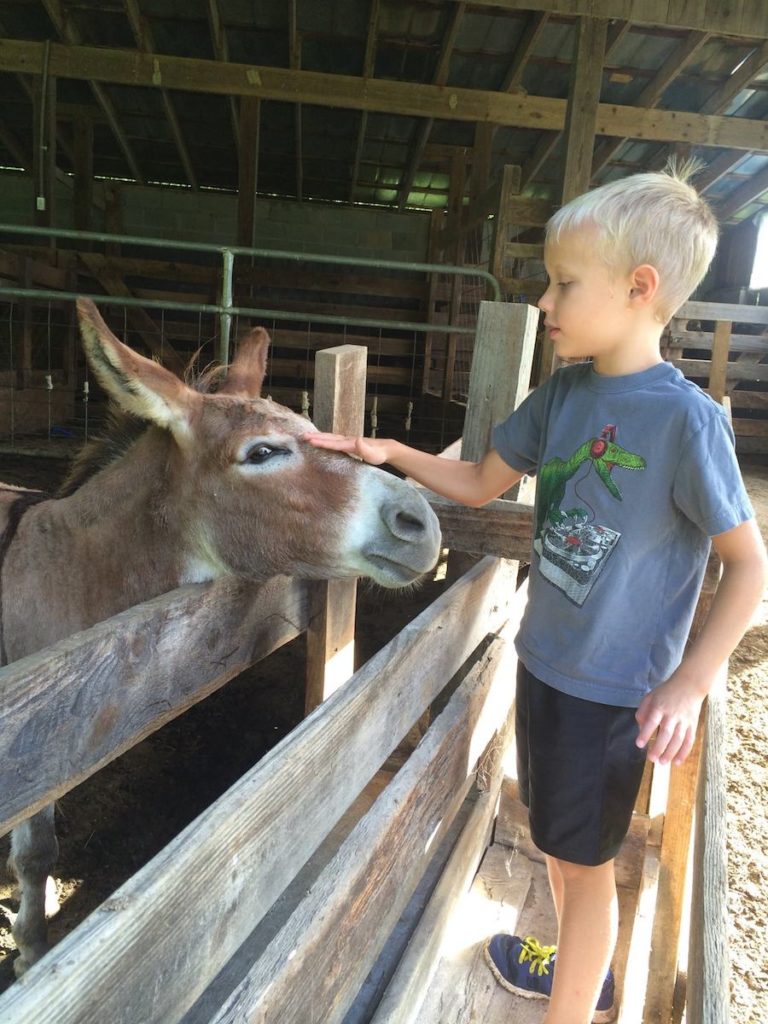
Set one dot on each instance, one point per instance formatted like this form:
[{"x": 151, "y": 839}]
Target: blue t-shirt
[{"x": 635, "y": 473}]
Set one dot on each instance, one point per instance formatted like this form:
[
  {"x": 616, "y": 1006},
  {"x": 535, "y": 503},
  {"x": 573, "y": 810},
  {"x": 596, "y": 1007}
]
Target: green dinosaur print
[{"x": 555, "y": 474}]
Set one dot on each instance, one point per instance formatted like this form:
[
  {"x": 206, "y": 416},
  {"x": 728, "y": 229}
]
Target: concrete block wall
[{"x": 211, "y": 217}]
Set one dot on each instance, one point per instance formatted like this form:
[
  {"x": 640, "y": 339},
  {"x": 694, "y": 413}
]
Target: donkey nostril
[{"x": 407, "y": 524}]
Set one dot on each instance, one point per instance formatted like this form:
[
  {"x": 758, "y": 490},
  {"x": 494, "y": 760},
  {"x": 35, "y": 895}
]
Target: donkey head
[{"x": 251, "y": 498}]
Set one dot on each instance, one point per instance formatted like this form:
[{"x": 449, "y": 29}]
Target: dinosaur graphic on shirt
[{"x": 572, "y": 549}]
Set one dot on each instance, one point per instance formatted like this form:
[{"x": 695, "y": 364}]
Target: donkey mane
[{"x": 121, "y": 430}]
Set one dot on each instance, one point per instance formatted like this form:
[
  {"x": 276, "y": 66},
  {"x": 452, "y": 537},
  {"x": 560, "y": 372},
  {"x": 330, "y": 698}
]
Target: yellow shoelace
[{"x": 539, "y": 955}]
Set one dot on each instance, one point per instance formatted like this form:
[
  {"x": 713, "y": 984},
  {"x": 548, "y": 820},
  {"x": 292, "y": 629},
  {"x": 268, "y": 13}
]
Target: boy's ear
[{"x": 644, "y": 285}]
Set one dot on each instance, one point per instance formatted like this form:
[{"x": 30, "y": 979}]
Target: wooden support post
[
  {"x": 24, "y": 354},
  {"x": 719, "y": 367},
  {"x": 433, "y": 286},
  {"x": 583, "y": 101},
  {"x": 456, "y": 205},
  {"x": 339, "y": 407},
  {"x": 248, "y": 170}
]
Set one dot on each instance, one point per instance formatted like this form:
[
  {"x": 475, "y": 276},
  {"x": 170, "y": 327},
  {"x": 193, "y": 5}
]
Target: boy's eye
[{"x": 563, "y": 284}]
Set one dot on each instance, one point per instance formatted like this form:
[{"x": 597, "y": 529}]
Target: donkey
[{"x": 209, "y": 482}]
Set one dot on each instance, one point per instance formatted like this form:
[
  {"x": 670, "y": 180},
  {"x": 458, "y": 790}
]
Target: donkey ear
[
  {"x": 246, "y": 372},
  {"x": 139, "y": 386}
]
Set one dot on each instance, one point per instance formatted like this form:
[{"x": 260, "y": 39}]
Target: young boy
[{"x": 636, "y": 472}]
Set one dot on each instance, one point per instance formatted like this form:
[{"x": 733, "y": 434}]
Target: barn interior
[{"x": 342, "y": 172}]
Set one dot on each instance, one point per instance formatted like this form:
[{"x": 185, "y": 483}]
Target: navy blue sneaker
[{"x": 526, "y": 968}]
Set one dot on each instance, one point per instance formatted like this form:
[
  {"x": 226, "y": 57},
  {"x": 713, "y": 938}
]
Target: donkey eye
[{"x": 261, "y": 453}]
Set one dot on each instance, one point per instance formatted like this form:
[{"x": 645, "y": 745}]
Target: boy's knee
[{"x": 586, "y": 874}]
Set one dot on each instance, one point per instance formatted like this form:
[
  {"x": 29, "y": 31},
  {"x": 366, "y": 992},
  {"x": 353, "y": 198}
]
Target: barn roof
[{"x": 369, "y": 101}]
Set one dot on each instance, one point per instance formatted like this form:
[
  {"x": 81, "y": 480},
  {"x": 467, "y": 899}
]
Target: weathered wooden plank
[
  {"x": 340, "y": 409},
  {"x": 750, "y": 428},
  {"x": 402, "y": 1000},
  {"x": 708, "y": 983},
  {"x": 463, "y": 989},
  {"x": 150, "y": 950},
  {"x": 401, "y": 1003},
  {"x": 704, "y": 340},
  {"x": 736, "y": 313},
  {"x": 635, "y": 979},
  {"x": 719, "y": 365},
  {"x": 72, "y": 707},
  {"x": 360, "y": 896},
  {"x": 502, "y": 528},
  {"x": 733, "y": 371}
]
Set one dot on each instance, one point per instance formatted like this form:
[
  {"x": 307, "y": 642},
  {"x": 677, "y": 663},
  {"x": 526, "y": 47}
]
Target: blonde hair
[{"x": 656, "y": 218}]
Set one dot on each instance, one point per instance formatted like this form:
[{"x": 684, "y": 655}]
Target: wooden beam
[
  {"x": 502, "y": 528},
  {"x": 749, "y": 18},
  {"x": 583, "y": 101},
  {"x": 128, "y": 67}
]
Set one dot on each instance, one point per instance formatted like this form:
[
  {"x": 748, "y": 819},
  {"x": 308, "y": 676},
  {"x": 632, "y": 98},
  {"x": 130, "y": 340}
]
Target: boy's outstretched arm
[
  {"x": 673, "y": 708},
  {"x": 471, "y": 483}
]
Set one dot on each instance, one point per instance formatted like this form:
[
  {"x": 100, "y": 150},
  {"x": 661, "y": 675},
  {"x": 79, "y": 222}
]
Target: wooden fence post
[
  {"x": 501, "y": 370},
  {"x": 339, "y": 407}
]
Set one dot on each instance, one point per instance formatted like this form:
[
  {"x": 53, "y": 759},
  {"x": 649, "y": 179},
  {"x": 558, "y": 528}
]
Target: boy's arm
[
  {"x": 471, "y": 483},
  {"x": 673, "y": 708}
]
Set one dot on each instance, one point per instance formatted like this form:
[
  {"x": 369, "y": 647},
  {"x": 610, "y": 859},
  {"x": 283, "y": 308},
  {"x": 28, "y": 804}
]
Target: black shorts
[{"x": 579, "y": 771}]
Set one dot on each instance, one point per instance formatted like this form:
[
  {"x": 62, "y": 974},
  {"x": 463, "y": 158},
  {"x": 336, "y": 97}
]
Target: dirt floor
[{"x": 112, "y": 824}]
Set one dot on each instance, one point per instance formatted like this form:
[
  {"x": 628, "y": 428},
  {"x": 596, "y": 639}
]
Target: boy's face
[{"x": 588, "y": 306}]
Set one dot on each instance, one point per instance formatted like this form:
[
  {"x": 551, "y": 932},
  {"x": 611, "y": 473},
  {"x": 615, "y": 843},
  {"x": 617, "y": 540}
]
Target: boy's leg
[{"x": 587, "y": 910}]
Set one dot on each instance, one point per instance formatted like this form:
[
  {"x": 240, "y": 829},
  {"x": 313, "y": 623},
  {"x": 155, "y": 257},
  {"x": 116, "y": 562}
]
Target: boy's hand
[
  {"x": 372, "y": 450},
  {"x": 672, "y": 709}
]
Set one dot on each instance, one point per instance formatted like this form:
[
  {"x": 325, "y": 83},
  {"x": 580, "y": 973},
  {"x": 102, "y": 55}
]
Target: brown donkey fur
[{"x": 211, "y": 484}]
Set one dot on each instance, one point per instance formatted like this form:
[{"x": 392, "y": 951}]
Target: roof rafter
[
  {"x": 69, "y": 32},
  {"x": 549, "y": 141},
  {"x": 743, "y": 196},
  {"x": 142, "y": 33},
  {"x": 654, "y": 90},
  {"x": 294, "y": 62},
  {"x": 440, "y": 78},
  {"x": 369, "y": 62},
  {"x": 749, "y": 18},
  {"x": 221, "y": 53},
  {"x": 530, "y": 36}
]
